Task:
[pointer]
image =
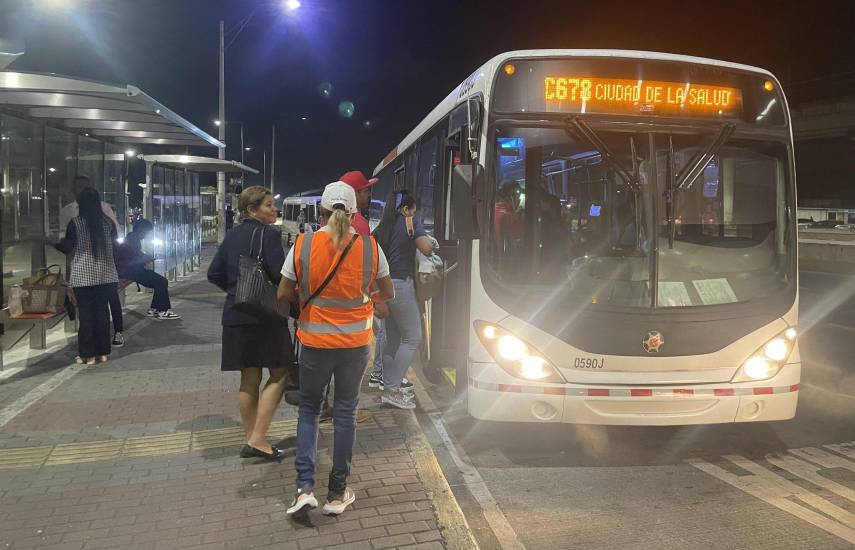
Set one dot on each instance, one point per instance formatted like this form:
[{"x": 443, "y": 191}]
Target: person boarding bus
[{"x": 331, "y": 272}]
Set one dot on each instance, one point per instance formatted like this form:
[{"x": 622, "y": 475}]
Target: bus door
[{"x": 450, "y": 310}]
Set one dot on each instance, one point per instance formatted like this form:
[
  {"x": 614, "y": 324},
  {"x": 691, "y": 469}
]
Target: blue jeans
[
  {"x": 404, "y": 322},
  {"x": 379, "y": 345},
  {"x": 317, "y": 367}
]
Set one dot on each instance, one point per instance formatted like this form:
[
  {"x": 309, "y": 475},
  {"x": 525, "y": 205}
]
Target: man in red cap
[{"x": 362, "y": 186}]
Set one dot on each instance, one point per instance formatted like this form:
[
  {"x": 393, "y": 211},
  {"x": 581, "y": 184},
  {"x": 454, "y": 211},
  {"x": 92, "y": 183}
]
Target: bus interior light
[{"x": 514, "y": 356}]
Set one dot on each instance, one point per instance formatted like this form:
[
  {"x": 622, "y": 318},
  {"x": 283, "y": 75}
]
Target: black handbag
[{"x": 256, "y": 291}]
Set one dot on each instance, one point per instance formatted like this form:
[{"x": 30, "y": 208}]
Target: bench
[{"x": 39, "y": 323}]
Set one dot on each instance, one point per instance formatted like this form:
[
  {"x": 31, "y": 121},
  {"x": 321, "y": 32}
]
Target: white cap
[{"x": 339, "y": 192}]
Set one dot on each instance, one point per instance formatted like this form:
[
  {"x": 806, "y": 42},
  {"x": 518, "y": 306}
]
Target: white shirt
[
  {"x": 72, "y": 210},
  {"x": 288, "y": 267}
]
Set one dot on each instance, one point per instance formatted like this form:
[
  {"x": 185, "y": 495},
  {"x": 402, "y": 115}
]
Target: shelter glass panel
[
  {"x": 169, "y": 221},
  {"x": 115, "y": 176},
  {"x": 22, "y": 195},
  {"x": 90, "y": 162},
  {"x": 60, "y": 201}
]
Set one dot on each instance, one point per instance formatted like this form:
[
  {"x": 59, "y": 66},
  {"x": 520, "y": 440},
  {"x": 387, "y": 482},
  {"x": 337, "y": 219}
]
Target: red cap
[{"x": 356, "y": 179}]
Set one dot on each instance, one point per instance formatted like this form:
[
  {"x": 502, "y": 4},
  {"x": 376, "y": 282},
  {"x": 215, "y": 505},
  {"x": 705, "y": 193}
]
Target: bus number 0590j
[{"x": 589, "y": 363}]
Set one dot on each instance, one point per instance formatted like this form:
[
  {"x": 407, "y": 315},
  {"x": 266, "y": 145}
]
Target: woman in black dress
[{"x": 252, "y": 343}]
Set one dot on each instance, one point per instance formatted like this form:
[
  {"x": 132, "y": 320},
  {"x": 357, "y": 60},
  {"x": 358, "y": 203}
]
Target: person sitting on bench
[{"x": 131, "y": 261}]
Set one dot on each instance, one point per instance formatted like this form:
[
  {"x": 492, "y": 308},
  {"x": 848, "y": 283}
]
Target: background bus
[
  {"x": 298, "y": 210},
  {"x": 619, "y": 232}
]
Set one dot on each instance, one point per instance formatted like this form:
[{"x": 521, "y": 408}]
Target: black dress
[{"x": 250, "y": 341}]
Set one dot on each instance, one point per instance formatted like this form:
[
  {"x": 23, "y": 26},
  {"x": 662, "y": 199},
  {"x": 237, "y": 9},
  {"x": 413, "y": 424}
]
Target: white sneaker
[
  {"x": 301, "y": 501},
  {"x": 168, "y": 314},
  {"x": 347, "y": 499},
  {"x": 398, "y": 398},
  {"x": 152, "y": 313}
]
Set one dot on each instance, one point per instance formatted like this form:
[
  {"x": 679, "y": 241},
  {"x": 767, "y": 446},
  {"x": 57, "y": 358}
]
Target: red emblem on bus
[{"x": 653, "y": 341}]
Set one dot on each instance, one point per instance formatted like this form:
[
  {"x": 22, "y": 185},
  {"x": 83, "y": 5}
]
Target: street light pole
[
  {"x": 273, "y": 161},
  {"x": 221, "y": 153}
]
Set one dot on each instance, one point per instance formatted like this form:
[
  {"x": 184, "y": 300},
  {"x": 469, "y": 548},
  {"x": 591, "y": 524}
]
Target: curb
[{"x": 452, "y": 523}]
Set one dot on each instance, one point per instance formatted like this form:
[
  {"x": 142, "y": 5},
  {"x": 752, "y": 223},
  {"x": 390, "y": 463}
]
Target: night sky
[{"x": 395, "y": 60}]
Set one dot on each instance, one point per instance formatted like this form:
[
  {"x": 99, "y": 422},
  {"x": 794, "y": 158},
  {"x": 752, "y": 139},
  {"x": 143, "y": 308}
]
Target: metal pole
[
  {"x": 264, "y": 168},
  {"x": 221, "y": 153},
  {"x": 273, "y": 162},
  {"x": 241, "y": 145}
]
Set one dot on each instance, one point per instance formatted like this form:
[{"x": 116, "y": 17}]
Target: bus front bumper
[{"x": 495, "y": 395}]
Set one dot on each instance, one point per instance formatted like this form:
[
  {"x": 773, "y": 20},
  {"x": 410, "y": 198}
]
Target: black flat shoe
[{"x": 251, "y": 452}]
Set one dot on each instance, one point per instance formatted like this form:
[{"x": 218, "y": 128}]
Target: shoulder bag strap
[
  {"x": 252, "y": 240},
  {"x": 332, "y": 273}
]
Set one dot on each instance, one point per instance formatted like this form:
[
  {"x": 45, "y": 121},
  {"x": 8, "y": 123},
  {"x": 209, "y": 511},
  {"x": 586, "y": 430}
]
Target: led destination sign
[{"x": 610, "y": 95}]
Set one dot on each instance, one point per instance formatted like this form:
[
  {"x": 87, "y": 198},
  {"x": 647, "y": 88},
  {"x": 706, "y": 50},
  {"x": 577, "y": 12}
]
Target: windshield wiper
[
  {"x": 582, "y": 129},
  {"x": 699, "y": 162}
]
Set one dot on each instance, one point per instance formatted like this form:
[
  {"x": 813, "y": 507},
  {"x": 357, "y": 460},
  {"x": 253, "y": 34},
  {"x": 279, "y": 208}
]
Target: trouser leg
[
  {"x": 160, "y": 285},
  {"x": 103, "y": 295},
  {"x": 315, "y": 372},
  {"x": 349, "y": 368},
  {"x": 115, "y": 307},
  {"x": 86, "y": 345},
  {"x": 379, "y": 346},
  {"x": 404, "y": 312}
]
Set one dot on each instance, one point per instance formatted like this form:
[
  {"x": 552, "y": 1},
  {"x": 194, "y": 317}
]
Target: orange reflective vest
[{"x": 341, "y": 315}]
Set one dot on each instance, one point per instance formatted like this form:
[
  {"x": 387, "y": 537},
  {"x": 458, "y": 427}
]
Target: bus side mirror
[{"x": 462, "y": 205}]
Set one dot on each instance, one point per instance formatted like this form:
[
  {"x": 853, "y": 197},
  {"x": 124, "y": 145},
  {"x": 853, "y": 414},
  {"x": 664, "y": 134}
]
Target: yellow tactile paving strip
[{"x": 135, "y": 447}]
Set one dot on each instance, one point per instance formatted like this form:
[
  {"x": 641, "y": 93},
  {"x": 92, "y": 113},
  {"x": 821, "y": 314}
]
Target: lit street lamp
[{"x": 290, "y": 7}]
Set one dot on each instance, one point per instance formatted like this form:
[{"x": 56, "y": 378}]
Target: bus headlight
[
  {"x": 768, "y": 360},
  {"x": 515, "y": 356}
]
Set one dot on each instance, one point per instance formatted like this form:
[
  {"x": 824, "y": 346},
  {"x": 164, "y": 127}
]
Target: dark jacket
[
  {"x": 129, "y": 255},
  {"x": 223, "y": 270}
]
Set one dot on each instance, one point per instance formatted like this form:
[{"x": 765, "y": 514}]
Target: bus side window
[
  {"x": 399, "y": 178},
  {"x": 426, "y": 182}
]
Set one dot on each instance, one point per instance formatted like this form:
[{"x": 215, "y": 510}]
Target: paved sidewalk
[{"x": 141, "y": 452}]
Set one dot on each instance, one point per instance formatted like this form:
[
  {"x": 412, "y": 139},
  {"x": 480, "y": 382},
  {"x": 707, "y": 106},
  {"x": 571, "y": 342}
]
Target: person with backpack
[
  {"x": 400, "y": 234},
  {"x": 332, "y": 272}
]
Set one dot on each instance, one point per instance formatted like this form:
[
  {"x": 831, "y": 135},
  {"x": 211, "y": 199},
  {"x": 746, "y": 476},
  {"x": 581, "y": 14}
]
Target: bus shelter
[
  {"x": 53, "y": 129},
  {"x": 172, "y": 201}
]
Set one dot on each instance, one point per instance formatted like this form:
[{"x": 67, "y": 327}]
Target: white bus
[
  {"x": 619, "y": 234},
  {"x": 298, "y": 211}
]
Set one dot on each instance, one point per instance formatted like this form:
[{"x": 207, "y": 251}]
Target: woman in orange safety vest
[{"x": 331, "y": 273}]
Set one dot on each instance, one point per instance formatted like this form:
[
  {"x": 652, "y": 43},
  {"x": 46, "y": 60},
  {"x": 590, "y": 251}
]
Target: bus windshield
[{"x": 569, "y": 227}]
